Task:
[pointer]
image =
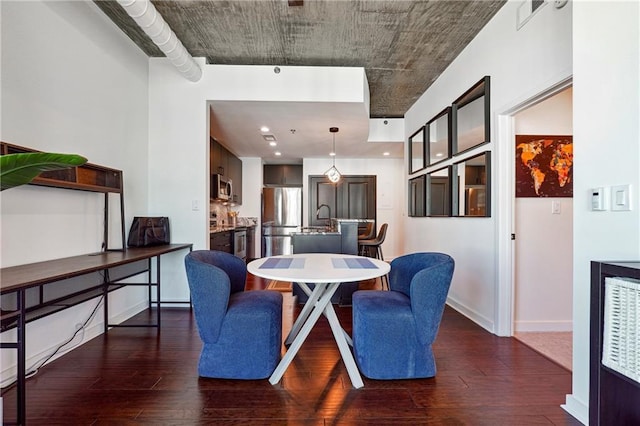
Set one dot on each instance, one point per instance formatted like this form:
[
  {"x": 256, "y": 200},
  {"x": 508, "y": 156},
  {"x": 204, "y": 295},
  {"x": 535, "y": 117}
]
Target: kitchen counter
[
  {"x": 229, "y": 228},
  {"x": 320, "y": 239},
  {"x": 314, "y": 231}
]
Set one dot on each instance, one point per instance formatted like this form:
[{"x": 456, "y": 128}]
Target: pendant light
[{"x": 333, "y": 174}]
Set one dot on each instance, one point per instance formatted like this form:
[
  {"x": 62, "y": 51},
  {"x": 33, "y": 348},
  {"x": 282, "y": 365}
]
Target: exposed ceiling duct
[{"x": 152, "y": 23}]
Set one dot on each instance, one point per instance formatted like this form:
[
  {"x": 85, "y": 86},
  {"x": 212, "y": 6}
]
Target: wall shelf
[{"x": 88, "y": 177}]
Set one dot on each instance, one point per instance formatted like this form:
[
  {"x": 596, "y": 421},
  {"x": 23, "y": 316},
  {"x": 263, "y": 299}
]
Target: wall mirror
[
  {"x": 472, "y": 118},
  {"x": 416, "y": 151},
  {"x": 472, "y": 186},
  {"x": 439, "y": 192},
  {"x": 417, "y": 205},
  {"x": 438, "y": 133}
]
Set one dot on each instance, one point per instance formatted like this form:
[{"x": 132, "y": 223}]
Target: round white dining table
[{"x": 326, "y": 271}]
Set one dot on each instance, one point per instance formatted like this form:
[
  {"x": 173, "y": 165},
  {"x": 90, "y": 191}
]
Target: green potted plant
[{"x": 21, "y": 168}]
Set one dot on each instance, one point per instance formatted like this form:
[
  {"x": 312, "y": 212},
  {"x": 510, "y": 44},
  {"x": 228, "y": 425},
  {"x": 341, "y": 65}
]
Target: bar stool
[
  {"x": 375, "y": 243},
  {"x": 367, "y": 232}
]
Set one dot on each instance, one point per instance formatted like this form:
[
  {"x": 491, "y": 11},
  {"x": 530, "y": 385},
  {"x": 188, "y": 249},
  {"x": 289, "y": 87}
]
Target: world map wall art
[{"x": 544, "y": 166}]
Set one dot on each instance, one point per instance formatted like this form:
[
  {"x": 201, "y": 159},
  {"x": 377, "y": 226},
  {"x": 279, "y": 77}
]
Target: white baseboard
[
  {"x": 127, "y": 313},
  {"x": 8, "y": 371},
  {"x": 474, "y": 316},
  {"x": 524, "y": 326},
  {"x": 577, "y": 409}
]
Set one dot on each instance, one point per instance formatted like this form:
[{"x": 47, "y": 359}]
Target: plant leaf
[{"x": 22, "y": 168}]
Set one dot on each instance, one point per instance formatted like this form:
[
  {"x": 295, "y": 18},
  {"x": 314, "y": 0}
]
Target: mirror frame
[
  {"x": 419, "y": 208},
  {"x": 421, "y": 130},
  {"x": 477, "y": 91},
  {"x": 458, "y": 190},
  {"x": 447, "y": 192},
  {"x": 427, "y": 136}
]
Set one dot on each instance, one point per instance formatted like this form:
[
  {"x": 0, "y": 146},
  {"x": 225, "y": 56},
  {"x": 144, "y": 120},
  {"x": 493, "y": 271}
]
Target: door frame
[
  {"x": 504, "y": 298},
  {"x": 337, "y": 202}
]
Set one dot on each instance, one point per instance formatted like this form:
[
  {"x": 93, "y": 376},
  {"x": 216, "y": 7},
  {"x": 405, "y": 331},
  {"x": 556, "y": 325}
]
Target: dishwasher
[{"x": 240, "y": 243}]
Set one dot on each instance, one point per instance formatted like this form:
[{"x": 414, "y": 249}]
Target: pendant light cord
[{"x": 334, "y": 150}]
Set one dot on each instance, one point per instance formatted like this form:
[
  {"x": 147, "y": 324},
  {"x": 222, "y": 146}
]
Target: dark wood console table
[{"x": 29, "y": 292}]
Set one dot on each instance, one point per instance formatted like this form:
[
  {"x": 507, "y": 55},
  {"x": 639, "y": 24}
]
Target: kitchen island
[{"x": 341, "y": 237}]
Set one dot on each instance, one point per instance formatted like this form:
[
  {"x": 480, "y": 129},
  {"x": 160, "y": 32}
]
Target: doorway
[{"x": 543, "y": 248}]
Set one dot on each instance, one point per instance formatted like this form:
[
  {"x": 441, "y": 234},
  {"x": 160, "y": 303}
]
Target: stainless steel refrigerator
[{"x": 281, "y": 216}]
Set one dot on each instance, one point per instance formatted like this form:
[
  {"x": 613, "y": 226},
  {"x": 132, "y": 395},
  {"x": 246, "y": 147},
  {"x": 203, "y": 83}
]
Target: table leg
[
  {"x": 325, "y": 290},
  {"x": 305, "y": 313},
  {"x": 344, "y": 341},
  {"x": 306, "y": 310},
  {"x": 22, "y": 356}
]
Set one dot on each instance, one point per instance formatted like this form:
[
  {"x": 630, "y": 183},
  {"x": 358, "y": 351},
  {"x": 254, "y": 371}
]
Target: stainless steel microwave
[{"x": 221, "y": 187}]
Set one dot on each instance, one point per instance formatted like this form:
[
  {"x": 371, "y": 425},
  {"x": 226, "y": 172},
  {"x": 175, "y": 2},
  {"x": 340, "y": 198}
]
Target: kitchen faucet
[{"x": 328, "y": 217}]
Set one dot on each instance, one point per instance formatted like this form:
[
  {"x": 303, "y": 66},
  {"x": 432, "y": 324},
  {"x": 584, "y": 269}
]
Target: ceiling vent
[{"x": 269, "y": 138}]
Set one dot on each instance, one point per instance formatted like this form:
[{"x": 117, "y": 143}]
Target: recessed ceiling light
[
  {"x": 273, "y": 143},
  {"x": 269, "y": 137},
  {"x": 277, "y": 153},
  {"x": 264, "y": 129},
  {"x": 385, "y": 153},
  {"x": 439, "y": 154},
  {"x": 332, "y": 154}
]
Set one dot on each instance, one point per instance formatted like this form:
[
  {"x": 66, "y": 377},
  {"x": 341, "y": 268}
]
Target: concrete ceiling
[{"x": 402, "y": 45}]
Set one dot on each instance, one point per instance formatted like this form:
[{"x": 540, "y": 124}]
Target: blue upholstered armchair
[
  {"x": 241, "y": 331},
  {"x": 393, "y": 330}
]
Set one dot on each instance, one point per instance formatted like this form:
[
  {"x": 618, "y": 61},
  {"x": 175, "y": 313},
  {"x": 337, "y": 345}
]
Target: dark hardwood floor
[{"x": 142, "y": 376}]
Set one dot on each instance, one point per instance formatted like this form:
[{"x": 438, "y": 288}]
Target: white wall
[
  {"x": 73, "y": 83},
  {"x": 513, "y": 60},
  {"x": 544, "y": 243},
  {"x": 252, "y": 194},
  {"x": 389, "y": 193},
  {"x": 601, "y": 40},
  {"x": 179, "y": 136},
  {"x": 606, "y": 120}
]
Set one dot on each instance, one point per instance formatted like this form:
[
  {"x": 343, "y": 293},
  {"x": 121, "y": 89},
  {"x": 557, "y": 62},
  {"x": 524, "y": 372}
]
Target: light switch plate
[{"x": 621, "y": 198}]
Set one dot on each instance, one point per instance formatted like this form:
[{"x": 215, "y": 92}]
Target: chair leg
[{"x": 383, "y": 278}]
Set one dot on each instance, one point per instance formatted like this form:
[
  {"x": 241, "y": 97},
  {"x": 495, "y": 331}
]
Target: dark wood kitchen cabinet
[
  {"x": 282, "y": 174},
  {"x": 235, "y": 174},
  {"x": 222, "y": 241},
  {"x": 223, "y": 162},
  {"x": 353, "y": 197},
  {"x": 219, "y": 159}
]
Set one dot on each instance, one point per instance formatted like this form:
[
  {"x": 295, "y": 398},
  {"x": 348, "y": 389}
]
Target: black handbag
[{"x": 149, "y": 231}]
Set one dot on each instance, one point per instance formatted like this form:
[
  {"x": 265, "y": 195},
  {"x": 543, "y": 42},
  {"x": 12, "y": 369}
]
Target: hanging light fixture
[{"x": 333, "y": 174}]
